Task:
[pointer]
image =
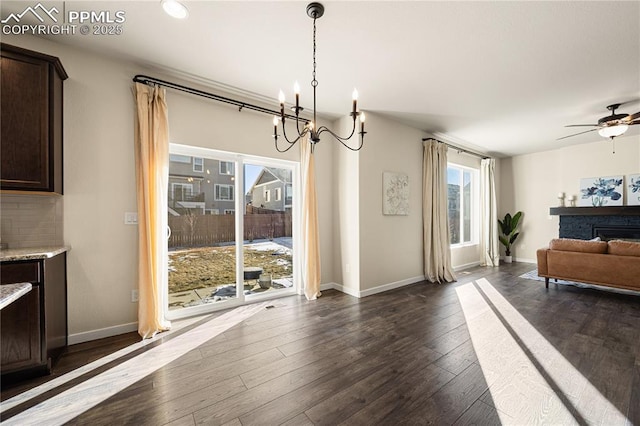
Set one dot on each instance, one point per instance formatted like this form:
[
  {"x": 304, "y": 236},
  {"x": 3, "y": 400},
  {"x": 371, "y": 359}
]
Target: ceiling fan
[{"x": 610, "y": 126}]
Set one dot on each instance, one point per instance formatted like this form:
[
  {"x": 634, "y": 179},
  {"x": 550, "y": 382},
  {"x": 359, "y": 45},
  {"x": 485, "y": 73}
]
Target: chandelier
[{"x": 315, "y": 11}]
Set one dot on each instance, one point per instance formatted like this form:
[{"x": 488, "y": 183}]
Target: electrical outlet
[{"x": 134, "y": 296}]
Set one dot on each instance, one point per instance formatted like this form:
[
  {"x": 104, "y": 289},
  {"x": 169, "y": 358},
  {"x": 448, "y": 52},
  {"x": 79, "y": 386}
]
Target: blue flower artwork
[
  {"x": 633, "y": 193},
  {"x": 602, "y": 191}
]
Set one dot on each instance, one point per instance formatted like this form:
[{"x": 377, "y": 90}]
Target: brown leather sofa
[{"x": 614, "y": 264}]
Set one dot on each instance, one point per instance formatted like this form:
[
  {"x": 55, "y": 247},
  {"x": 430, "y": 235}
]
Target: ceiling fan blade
[
  {"x": 582, "y": 125},
  {"x": 633, "y": 117},
  {"x": 576, "y": 134}
]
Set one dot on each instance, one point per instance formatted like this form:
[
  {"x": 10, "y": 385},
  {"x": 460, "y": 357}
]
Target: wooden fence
[{"x": 204, "y": 230}]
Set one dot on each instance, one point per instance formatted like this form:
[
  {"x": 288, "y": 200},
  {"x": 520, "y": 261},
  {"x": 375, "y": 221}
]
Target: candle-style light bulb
[
  {"x": 275, "y": 121},
  {"x": 296, "y": 90},
  {"x": 311, "y": 125},
  {"x": 362, "y": 118},
  {"x": 281, "y": 98},
  {"x": 355, "y": 101}
]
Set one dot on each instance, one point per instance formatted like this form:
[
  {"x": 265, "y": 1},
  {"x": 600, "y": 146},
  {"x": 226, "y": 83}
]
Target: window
[
  {"x": 226, "y": 168},
  {"x": 267, "y": 195},
  {"x": 181, "y": 191},
  {"x": 198, "y": 164},
  {"x": 288, "y": 195},
  {"x": 278, "y": 194},
  {"x": 229, "y": 211},
  {"x": 223, "y": 192},
  {"x": 462, "y": 204},
  {"x": 175, "y": 158}
]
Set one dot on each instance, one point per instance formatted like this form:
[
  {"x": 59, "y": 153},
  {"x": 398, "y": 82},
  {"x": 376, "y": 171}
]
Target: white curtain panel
[
  {"x": 488, "y": 214},
  {"x": 310, "y": 231},
  {"x": 435, "y": 213}
]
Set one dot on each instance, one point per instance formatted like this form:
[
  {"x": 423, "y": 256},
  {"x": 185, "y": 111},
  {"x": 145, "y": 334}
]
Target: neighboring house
[
  {"x": 200, "y": 185},
  {"x": 272, "y": 190}
]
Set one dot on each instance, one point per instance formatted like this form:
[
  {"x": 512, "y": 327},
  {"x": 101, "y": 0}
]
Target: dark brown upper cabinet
[{"x": 31, "y": 121}]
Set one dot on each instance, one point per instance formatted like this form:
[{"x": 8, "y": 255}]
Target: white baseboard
[
  {"x": 391, "y": 286},
  {"x": 375, "y": 290},
  {"x": 523, "y": 260},
  {"x": 346, "y": 290},
  {"x": 101, "y": 333},
  {"x": 328, "y": 286},
  {"x": 465, "y": 266}
]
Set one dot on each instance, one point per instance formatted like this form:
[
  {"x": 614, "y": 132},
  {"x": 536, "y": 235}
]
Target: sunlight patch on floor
[
  {"x": 530, "y": 382},
  {"x": 69, "y": 404}
]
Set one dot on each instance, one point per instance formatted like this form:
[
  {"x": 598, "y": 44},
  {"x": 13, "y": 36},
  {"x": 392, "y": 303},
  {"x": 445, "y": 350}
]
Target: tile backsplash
[{"x": 31, "y": 220}]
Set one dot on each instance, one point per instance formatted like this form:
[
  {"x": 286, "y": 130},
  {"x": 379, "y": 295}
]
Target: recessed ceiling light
[{"x": 175, "y": 9}]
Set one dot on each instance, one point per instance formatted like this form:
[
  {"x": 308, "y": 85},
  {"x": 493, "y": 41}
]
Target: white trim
[
  {"x": 329, "y": 286},
  {"x": 466, "y": 266},
  {"x": 397, "y": 284},
  {"x": 523, "y": 260},
  {"x": 345, "y": 290},
  {"x": 375, "y": 290},
  {"x": 101, "y": 333}
]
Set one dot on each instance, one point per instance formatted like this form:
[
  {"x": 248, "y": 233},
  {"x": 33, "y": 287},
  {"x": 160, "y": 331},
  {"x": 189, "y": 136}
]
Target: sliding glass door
[{"x": 231, "y": 229}]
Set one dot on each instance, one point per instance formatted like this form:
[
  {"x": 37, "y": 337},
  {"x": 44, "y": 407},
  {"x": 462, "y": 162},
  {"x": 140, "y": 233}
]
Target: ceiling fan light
[
  {"x": 175, "y": 9},
  {"x": 613, "y": 131}
]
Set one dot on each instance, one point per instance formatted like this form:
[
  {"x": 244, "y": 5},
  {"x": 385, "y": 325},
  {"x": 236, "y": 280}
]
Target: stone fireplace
[{"x": 608, "y": 223}]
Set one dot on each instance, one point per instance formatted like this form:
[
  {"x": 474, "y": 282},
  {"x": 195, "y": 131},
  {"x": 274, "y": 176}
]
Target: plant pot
[
  {"x": 265, "y": 281},
  {"x": 508, "y": 259}
]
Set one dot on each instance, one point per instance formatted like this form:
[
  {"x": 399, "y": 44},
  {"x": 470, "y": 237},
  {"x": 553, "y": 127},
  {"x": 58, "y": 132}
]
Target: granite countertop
[
  {"x": 9, "y": 293},
  {"x": 31, "y": 253}
]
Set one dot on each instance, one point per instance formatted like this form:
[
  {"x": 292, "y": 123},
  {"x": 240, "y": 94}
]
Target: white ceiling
[{"x": 503, "y": 77}]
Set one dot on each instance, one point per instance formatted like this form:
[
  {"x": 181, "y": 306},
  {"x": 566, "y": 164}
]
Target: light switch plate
[{"x": 131, "y": 218}]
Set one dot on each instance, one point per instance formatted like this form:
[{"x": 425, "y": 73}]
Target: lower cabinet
[{"x": 33, "y": 329}]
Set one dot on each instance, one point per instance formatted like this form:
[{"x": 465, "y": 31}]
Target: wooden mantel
[{"x": 596, "y": 211}]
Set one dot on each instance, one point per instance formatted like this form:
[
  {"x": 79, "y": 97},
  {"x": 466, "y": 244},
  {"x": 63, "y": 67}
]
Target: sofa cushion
[
  {"x": 583, "y": 246},
  {"x": 624, "y": 248}
]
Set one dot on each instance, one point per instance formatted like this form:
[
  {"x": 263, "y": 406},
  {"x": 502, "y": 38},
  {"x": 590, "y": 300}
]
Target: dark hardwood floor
[{"x": 499, "y": 350}]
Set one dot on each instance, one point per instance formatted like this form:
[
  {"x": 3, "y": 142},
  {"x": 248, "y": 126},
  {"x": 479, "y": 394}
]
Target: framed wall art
[
  {"x": 601, "y": 191},
  {"x": 395, "y": 194},
  {"x": 633, "y": 190}
]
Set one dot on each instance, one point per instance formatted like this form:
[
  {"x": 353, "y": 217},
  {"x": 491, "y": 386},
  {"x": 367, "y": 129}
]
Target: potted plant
[{"x": 508, "y": 227}]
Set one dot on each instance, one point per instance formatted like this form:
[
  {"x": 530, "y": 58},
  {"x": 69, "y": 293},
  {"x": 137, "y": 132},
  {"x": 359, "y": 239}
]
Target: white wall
[
  {"x": 531, "y": 183},
  {"x": 390, "y": 246},
  {"x": 375, "y": 252},
  {"x": 99, "y": 179},
  {"x": 346, "y": 230}
]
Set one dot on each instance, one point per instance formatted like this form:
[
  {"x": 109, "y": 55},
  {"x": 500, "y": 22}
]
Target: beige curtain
[
  {"x": 310, "y": 233},
  {"x": 488, "y": 214},
  {"x": 437, "y": 253},
  {"x": 152, "y": 175}
]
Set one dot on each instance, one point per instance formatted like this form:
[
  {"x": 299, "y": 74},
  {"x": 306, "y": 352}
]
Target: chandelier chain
[{"x": 314, "y": 82}]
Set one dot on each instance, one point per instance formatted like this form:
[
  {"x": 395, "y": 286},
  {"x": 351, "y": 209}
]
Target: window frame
[
  {"x": 200, "y": 164},
  {"x": 230, "y": 169},
  {"x": 474, "y": 213},
  {"x": 216, "y": 192}
]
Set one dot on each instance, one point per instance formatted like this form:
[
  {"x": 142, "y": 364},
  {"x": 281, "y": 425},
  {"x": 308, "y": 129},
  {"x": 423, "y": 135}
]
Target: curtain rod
[
  {"x": 475, "y": 154},
  {"x": 240, "y": 104}
]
